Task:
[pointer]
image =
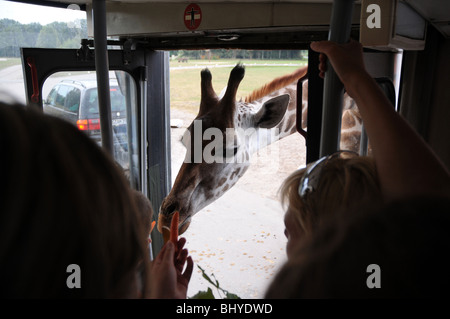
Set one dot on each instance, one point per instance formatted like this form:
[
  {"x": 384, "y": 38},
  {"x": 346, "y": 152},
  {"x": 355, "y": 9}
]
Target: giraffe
[{"x": 240, "y": 128}]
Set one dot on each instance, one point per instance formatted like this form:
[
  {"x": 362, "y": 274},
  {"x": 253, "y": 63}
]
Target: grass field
[
  {"x": 175, "y": 63},
  {"x": 185, "y": 82}
]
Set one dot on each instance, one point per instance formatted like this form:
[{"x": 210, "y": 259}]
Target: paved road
[{"x": 11, "y": 84}]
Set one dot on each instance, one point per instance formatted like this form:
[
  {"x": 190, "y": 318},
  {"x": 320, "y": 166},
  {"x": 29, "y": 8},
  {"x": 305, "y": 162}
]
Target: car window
[
  {"x": 118, "y": 103},
  {"x": 90, "y": 104},
  {"x": 60, "y": 98},
  {"x": 52, "y": 96},
  {"x": 117, "y": 100},
  {"x": 72, "y": 100}
]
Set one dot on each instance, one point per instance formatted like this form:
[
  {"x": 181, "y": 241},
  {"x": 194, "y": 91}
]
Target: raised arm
[{"x": 406, "y": 164}]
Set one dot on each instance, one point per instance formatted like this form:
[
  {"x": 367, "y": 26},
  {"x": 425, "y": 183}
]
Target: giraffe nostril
[{"x": 170, "y": 209}]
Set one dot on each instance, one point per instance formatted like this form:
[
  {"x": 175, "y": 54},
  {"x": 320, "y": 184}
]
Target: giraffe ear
[{"x": 272, "y": 111}]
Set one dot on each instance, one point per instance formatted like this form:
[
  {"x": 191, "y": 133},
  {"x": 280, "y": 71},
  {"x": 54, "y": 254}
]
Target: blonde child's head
[{"x": 340, "y": 184}]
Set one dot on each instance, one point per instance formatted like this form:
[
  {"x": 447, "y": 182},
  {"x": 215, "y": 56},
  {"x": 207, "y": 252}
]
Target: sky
[{"x": 27, "y": 13}]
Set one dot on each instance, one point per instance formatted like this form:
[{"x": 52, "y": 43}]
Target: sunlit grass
[
  {"x": 185, "y": 83},
  {"x": 205, "y": 62}
]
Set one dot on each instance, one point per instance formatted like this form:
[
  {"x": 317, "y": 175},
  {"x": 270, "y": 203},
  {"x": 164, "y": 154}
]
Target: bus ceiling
[{"x": 258, "y": 24}]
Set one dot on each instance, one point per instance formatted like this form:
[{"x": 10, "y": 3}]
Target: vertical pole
[
  {"x": 102, "y": 69},
  {"x": 158, "y": 134},
  {"x": 315, "y": 103},
  {"x": 340, "y": 27},
  {"x": 363, "y": 142}
]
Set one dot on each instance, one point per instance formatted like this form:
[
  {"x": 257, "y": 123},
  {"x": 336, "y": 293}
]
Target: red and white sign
[{"x": 192, "y": 16}]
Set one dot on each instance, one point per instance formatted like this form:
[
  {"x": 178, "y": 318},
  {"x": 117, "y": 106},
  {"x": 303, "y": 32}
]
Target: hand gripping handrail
[{"x": 340, "y": 27}]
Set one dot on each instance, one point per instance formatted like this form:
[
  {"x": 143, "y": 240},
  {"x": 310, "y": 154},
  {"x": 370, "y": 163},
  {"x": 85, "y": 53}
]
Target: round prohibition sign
[{"x": 192, "y": 16}]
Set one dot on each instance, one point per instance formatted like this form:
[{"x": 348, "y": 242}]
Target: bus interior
[{"x": 131, "y": 41}]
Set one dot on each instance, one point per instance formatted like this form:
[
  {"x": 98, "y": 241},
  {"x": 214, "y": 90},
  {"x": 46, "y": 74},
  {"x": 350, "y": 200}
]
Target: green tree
[
  {"x": 48, "y": 37},
  {"x": 30, "y": 33},
  {"x": 14, "y": 35}
]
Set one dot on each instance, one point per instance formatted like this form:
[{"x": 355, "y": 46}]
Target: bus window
[
  {"x": 73, "y": 97},
  {"x": 241, "y": 235}
]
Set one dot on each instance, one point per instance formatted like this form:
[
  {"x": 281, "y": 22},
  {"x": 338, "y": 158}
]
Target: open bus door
[{"x": 141, "y": 79}]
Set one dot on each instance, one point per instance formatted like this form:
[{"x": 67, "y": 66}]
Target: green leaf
[
  {"x": 206, "y": 276},
  {"x": 204, "y": 295},
  {"x": 209, "y": 294},
  {"x": 229, "y": 295}
]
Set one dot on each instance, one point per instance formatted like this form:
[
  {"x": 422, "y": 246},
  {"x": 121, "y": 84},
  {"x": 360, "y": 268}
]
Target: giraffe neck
[
  {"x": 286, "y": 84},
  {"x": 287, "y": 126},
  {"x": 351, "y": 125}
]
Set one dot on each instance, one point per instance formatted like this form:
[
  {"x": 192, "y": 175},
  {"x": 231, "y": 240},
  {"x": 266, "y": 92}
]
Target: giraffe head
[{"x": 219, "y": 143}]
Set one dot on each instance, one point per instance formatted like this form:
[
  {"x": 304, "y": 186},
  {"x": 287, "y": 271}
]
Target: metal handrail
[
  {"x": 340, "y": 27},
  {"x": 102, "y": 69}
]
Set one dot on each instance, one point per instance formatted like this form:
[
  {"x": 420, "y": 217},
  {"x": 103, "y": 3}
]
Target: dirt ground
[{"x": 240, "y": 237}]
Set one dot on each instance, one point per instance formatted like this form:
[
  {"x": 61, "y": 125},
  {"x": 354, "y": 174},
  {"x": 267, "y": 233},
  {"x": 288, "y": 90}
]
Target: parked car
[{"x": 77, "y": 102}]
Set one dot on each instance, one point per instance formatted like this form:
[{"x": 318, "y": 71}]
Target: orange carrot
[
  {"x": 172, "y": 232},
  {"x": 152, "y": 226},
  {"x": 165, "y": 233},
  {"x": 174, "y": 228}
]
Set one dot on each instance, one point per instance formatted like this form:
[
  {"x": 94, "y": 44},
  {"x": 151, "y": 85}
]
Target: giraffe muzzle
[{"x": 165, "y": 220}]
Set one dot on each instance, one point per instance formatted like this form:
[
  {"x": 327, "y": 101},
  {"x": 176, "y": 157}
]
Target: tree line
[
  {"x": 14, "y": 35},
  {"x": 241, "y": 54}
]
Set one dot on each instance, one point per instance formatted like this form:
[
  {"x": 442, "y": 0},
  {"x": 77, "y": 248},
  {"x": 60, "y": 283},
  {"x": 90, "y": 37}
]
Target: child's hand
[{"x": 167, "y": 279}]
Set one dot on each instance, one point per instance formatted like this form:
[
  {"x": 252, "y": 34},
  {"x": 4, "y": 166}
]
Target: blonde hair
[{"x": 343, "y": 184}]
